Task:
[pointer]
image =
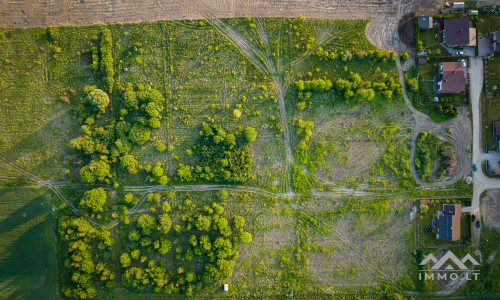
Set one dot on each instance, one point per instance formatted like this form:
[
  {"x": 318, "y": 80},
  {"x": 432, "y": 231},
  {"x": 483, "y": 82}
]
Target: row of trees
[
  {"x": 352, "y": 87},
  {"x": 106, "y": 65},
  {"x": 345, "y": 55}
]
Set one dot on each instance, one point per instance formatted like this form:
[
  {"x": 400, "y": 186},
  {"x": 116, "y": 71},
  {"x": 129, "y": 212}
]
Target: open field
[
  {"x": 27, "y": 249},
  {"x": 160, "y": 137}
]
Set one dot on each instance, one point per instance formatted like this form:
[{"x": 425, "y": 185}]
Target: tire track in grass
[{"x": 322, "y": 227}]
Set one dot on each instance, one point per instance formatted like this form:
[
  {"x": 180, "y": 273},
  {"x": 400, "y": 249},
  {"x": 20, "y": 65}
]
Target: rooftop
[{"x": 456, "y": 31}]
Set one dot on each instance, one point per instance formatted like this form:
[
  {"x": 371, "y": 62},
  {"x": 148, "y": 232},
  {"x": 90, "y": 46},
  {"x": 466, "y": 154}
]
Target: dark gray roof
[
  {"x": 456, "y": 31},
  {"x": 449, "y": 209},
  {"x": 424, "y": 22}
]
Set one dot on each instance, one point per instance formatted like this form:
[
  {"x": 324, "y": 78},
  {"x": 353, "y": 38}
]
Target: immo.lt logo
[{"x": 437, "y": 272}]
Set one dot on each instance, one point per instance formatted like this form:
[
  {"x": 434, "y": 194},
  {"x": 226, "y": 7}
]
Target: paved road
[{"x": 481, "y": 182}]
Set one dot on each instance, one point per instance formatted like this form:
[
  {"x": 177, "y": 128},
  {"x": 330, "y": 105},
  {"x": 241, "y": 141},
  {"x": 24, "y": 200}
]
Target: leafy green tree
[
  {"x": 125, "y": 259},
  {"x": 130, "y": 163},
  {"x": 145, "y": 241},
  {"x": 95, "y": 171},
  {"x": 147, "y": 223},
  {"x": 184, "y": 172},
  {"x": 412, "y": 84},
  {"x": 160, "y": 146},
  {"x": 365, "y": 94},
  {"x": 130, "y": 99},
  {"x": 135, "y": 254},
  {"x": 165, "y": 246},
  {"x": 99, "y": 99},
  {"x": 139, "y": 134},
  {"x": 237, "y": 113},
  {"x": 246, "y": 237},
  {"x": 239, "y": 222},
  {"x": 134, "y": 236},
  {"x": 165, "y": 207},
  {"x": 84, "y": 143},
  {"x": 203, "y": 222},
  {"x": 250, "y": 134},
  {"x": 94, "y": 200},
  {"x": 165, "y": 223}
]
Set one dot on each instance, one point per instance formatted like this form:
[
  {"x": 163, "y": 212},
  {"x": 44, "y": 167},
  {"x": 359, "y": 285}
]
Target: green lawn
[
  {"x": 27, "y": 247},
  {"x": 491, "y": 102}
]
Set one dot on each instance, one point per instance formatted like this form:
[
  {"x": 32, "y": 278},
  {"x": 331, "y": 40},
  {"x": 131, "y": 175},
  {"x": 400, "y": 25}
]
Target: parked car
[
  {"x": 464, "y": 64},
  {"x": 474, "y": 167},
  {"x": 478, "y": 224},
  {"x": 473, "y": 218},
  {"x": 459, "y": 53}
]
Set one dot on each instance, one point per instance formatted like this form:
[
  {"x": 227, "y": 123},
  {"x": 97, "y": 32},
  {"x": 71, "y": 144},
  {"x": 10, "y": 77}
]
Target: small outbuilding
[
  {"x": 226, "y": 287},
  {"x": 424, "y": 22},
  {"x": 457, "y": 5}
]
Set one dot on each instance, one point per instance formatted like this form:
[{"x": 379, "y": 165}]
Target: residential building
[
  {"x": 495, "y": 41},
  {"x": 451, "y": 78},
  {"x": 448, "y": 222},
  {"x": 459, "y": 32},
  {"x": 496, "y": 131}
]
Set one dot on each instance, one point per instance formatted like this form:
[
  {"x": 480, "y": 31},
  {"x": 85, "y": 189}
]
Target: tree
[
  {"x": 147, "y": 223},
  {"x": 99, "y": 99},
  {"x": 365, "y": 94},
  {"x": 95, "y": 171},
  {"x": 139, "y": 134},
  {"x": 165, "y": 246},
  {"x": 412, "y": 84},
  {"x": 134, "y": 236},
  {"x": 130, "y": 100},
  {"x": 160, "y": 146},
  {"x": 94, "y": 199},
  {"x": 130, "y": 163},
  {"x": 203, "y": 222},
  {"x": 246, "y": 237},
  {"x": 125, "y": 259},
  {"x": 404, "y": 56},
  {"x": 239, "y": 222},
  {"x": 250, "y": 134},
  {"x": 165, "y": 207},
  {"x": 84, "y": 143},
  {"x": 184, "y": 172},
  {"x": 165, "y": 223}
]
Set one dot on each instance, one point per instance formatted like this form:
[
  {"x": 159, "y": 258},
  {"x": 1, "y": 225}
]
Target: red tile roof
[{"x": 453, "y": 80}]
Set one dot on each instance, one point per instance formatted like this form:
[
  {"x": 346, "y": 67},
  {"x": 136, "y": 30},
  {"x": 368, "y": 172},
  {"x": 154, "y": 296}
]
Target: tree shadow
[
  {"x": 30, "y": 267},
  {"x": 22, "y": 215}
]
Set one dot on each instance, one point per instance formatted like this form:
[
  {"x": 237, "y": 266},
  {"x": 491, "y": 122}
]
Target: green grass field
[
  {"x": 313, "y": 233},
  {"x": 27, "y": 247}
]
